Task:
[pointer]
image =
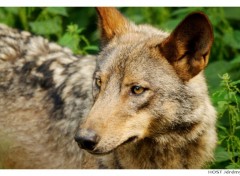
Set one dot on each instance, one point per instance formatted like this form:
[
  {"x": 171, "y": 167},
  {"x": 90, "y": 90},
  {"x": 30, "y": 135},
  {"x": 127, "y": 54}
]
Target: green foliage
[
  {"x": 76, "y": 28},
  {"x": 228, "y": 152},
  {"x": 58, "y": 24},
  {"x": 73, "y": 38}
]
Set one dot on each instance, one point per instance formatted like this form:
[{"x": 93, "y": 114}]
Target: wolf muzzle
[{"x": 87, "y": 139}]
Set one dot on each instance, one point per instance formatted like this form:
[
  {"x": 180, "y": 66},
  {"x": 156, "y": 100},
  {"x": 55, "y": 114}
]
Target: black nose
[{"x": 86, "y": 139}]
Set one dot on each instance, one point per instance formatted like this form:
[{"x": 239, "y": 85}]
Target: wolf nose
[{"x": 86, "y": 139}]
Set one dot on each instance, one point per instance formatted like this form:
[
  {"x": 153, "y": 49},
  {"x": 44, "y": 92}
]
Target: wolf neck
[{"x": 149, "y": 154}]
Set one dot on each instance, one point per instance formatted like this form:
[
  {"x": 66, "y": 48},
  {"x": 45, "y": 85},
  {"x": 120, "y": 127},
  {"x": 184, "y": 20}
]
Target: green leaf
[
  {"x": 232, "y": 39},
  {"x": 73, "y": 29},
  {"x": 213, "y": 71},
  {"x": 233, "y": 166},
  {"x": 70, "y": 41},
  {"x": 236, "y": 82},
  {"x": 46, "y": 27},
  {"x": 236, "y": 60},
  {"x": 171, "y": 24},
  {"x": 91, "y": 48},
  {"x": 221, "y": 155},
  {"x": 57, "y": 11}
]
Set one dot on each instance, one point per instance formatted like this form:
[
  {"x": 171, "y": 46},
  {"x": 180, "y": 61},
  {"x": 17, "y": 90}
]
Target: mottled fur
[
  {"x": 44, "y": 92},
  {"x": 46, "y": 98}
]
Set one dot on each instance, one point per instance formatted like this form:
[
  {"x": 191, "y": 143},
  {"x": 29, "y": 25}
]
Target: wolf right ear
[
  {"x": 188, "y": 46},
  {"x": 111, "y": 23}
]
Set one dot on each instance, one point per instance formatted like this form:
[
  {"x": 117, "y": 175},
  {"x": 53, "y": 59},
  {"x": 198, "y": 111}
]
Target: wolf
[{"x": 141, "y": 103}]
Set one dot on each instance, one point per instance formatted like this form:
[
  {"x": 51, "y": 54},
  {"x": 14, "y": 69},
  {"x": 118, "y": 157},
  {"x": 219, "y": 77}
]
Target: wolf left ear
[
  {"x": 111, "y": 23},
  {"x": 188, "y": 46}
]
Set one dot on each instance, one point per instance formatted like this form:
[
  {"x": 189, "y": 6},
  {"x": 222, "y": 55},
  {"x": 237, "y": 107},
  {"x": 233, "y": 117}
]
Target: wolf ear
[
  {"x": 188, "y": 46},
  {"x": 111, "y": 23}
]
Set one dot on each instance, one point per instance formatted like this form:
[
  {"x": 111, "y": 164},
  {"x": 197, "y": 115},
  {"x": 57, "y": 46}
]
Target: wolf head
[{"x": 147, "y": 83}]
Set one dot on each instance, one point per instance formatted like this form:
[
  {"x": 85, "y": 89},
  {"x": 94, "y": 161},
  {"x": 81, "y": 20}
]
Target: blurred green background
[{"x": 76, "y": 28}]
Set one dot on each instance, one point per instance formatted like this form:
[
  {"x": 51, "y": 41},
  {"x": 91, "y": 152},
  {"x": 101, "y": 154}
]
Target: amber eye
[
  {"x": 98, "y": 82},
  {"x": 137, "y": 90}
]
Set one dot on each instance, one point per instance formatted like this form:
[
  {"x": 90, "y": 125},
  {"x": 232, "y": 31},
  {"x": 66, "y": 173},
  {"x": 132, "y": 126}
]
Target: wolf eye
[
  {"x": 137, "y": 90},
  {"x": 98, "y": 82}
]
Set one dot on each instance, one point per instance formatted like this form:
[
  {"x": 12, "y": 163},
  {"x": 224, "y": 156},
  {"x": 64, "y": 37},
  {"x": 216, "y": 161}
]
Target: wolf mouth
[{"x": 99, "y": 152}]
